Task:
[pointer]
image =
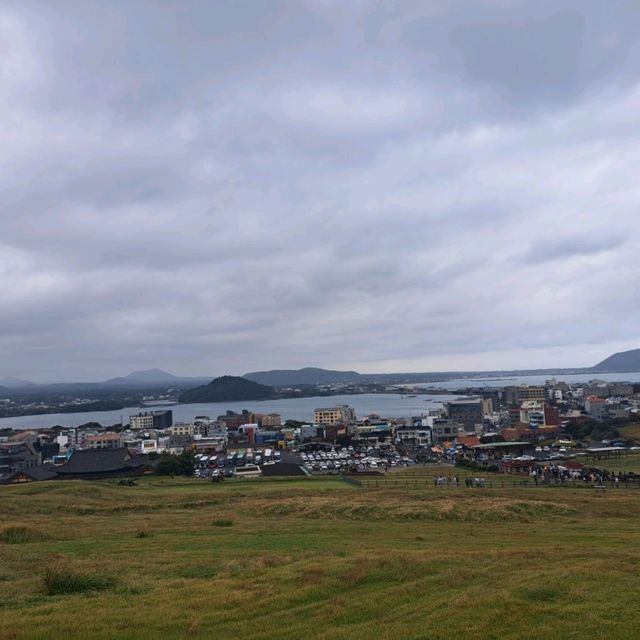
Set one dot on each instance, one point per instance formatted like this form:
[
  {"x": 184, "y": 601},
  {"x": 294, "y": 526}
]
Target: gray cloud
[
  {"x": 515, "y": 57},
  {"x": 563, "y": 248},
  {"x": 223, "y": 187}
]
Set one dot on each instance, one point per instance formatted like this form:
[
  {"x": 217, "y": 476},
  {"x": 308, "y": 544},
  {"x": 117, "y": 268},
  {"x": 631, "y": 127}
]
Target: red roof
[
  {"x": 571, "y": 464},
  {"x": 514, "y": 434}
]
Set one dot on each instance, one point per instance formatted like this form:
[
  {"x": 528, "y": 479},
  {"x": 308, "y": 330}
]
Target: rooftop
[
  {"x": 497, "y": 445},
  {"x": 95, "y": 461},
  {"x": 104, "y": 436}
]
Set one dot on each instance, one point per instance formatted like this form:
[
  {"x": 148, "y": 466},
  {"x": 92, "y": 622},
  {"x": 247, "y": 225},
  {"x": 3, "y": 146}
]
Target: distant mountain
[
  {"x": 152, "y": 375},
  {"x": 622, "y": 362},
  {"x": 308, "y": 375},
  {"x": 228, "y": 389},
  {"x": 14, "y": 383},
  {"x": 148, "y": 377}
]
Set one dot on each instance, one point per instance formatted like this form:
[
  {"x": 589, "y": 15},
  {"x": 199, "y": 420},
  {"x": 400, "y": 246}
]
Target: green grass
[
  {"x": 623, "y": 463},
  {"x": 630, "y": 431},
  {"x": 424, "y": 474},
  {"x": 223, "y": 522},
  {"x": 318, "y": 559},
  {"x": 431, "y": 470},
  {"x": 60, "y": 580},
  {"x": 21, "y": 535}
]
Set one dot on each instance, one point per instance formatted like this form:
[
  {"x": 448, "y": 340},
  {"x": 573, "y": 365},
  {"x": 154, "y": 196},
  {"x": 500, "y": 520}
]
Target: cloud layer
[{"x": 222, "y": 187}]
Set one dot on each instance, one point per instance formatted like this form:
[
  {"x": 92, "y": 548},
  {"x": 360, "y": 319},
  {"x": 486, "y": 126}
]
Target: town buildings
[
  {"x": 18, "y": 456},
  {"x": 104, "y": 441},
  {"x": 417, "y": 436},
  {"x": 555, "y": 412},
  {"x": 151, "y": 420},
  {"x": 597, "y": 407},
  {"x": 519, "y": 394},
  {"x": 469, "y": 412},
  {"x": 342, "y": 414}
]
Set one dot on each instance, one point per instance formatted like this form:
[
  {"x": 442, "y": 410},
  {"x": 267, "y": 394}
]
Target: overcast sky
[{"x": 220, "y": 187}]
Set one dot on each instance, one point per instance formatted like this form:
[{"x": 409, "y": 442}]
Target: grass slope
[
  {"x": 615, "y": 464},
  {"x": 316, "y": 559}
]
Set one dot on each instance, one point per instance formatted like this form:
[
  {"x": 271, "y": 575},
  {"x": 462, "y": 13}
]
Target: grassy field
[
  {"x": 430, "y": 470},
  {"x": 630, "y": 431},
  {"x": 316, "y": 558},
  {"x": 625, "y": 463}
]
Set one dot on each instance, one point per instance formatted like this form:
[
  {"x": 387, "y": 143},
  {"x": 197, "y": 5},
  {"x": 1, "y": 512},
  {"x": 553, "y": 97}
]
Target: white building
[
  {"x": 417, "y": 436},
  {"x": 148, "y": 446},
  {"x": 141, "y": 422}
]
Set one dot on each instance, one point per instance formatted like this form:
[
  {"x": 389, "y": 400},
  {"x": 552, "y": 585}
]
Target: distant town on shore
[
  {"x": 550, "y": 428},
  {"x": 19, "y": 397}
]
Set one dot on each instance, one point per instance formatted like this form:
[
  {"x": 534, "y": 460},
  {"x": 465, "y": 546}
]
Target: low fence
[
  {"x": 351, "y": 480},
  {"x": 489, "y": 483}
]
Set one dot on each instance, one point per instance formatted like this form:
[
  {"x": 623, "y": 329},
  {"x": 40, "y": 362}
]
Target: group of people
[
  {"x": 454, "y": 481},
  {"x": 444, "y": 480},
  {"x": 561, "y": 475}
]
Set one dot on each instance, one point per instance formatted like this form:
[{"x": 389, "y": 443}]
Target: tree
[
  {"x": 176, "y": 465},
  {"x": 344, "y": 440}
]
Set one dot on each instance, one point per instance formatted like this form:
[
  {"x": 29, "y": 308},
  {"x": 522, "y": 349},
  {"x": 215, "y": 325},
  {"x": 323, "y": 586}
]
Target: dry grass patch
[
  {"x": 379, "y": 505},
  {"x": 22, "y": 535}
]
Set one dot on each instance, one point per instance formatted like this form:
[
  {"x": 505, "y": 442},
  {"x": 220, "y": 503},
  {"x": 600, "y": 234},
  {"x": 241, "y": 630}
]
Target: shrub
[
  {"x": 198, "y": 572},
  {"x": 468, "y": 464},
  {"x": 172, "y": 465},
  {"x": 221, "y": 522},
  {"x": 60, "y": 581},
  {"x": 20, "y": 535},
  {"x": 472, "y": 464},
  {"x": 143, "y": 533},
  {"x": 542, "y": 594}
]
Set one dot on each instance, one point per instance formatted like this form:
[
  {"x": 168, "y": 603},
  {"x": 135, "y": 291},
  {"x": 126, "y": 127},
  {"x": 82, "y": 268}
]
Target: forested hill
[{"x": 228, "y": 389}]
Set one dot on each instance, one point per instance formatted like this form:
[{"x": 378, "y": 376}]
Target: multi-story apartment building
[
  {"x": 532, "y": 413},
  {"x": 18, "y": 457},
  {"x": 518, "y": 395},
  {"x": 103, "y": 441},
  {"x": 444, "y": 429},
  {"x": 416, "y": 435},
  {"x": 141, "y": 422},
  {"x": 232, "y": 420},
  {"x": 162, "y": 419},
  {"x": 620, "y": 389},
  {"x": 182, "y": 429},
  {"x": 596, "y": 390},
  {"x": 334, "y": 415},
  {"x": 151, "y": 420},
  {"x": 269, "y": 420},
  {"x": 469, "y": 412},
  {"x": 597, "y": 408}
]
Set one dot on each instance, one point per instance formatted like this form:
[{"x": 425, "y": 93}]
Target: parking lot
[
  {"x": 314, "y": 459},
  {"x": 336, "y": 460},
  {"x": 234, "y": 463}
]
